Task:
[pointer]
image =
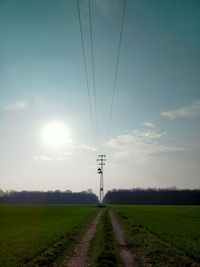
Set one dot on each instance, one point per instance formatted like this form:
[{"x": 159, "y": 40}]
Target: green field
[
  {"x": 26, "y": 230},
  {"x": 178, "y": 225},
  {"x": 154, "y": 232}
]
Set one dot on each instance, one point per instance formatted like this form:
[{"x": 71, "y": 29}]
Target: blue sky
[{"x": 155, "y": 131}]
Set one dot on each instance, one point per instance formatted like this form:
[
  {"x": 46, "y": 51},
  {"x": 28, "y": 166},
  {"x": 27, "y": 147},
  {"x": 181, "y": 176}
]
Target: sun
[{"x": 55, "y": 134}]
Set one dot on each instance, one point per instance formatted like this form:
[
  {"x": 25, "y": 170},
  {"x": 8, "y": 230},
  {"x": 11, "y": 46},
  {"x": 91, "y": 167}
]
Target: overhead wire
[
  {"x": 93, "y": 71},
  {"x": 86, "y": 75},
  {"x": 94, "y": 118},
  {"x": 116, "y": 71}
]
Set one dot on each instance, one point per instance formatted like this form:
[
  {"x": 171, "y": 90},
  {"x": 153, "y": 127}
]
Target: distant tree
[
  {"x": 1, "y": 193},
  {"x": 56, "y": 197},
  {"x": 89, "y": 191},
  {"x": 68, "y": 191},
  {"x": 169, "y": 196}
]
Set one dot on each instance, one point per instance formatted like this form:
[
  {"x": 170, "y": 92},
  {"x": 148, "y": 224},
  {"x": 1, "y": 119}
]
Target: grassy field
[
  {"x": 26, "y": 230},
  {"x": 178, "y": 225}
]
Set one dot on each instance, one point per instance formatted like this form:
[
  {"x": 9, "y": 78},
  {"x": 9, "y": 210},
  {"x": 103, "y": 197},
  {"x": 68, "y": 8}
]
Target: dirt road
[{"x": 81, "y": 258}]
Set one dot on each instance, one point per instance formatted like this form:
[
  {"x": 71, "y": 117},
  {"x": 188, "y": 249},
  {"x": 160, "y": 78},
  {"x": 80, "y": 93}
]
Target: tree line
[
  {"x": 49, "y": 197},
  {"x": 151, "y": 196},
  {"x": 171, "y": 196}
]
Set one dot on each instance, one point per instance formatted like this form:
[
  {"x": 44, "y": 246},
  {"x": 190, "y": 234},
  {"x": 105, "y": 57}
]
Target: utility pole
[{"x": 101, "y": 162}]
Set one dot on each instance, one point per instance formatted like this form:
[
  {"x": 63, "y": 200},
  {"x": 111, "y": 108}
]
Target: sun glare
[{"x": 55, "y": 134}]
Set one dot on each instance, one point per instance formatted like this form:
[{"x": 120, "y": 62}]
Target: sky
[{"x": 154, "y": 138}]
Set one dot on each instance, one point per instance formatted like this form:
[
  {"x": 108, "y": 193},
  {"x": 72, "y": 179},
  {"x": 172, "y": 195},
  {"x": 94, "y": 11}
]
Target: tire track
[
  {"x": 81, "y": 258},
  {"x": 125, "y": 253}
]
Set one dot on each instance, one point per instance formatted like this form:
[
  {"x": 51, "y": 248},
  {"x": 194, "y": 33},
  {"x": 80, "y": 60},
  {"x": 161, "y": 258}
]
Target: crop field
[
  {"x": 162, "y": 235},
  {"x": 26, "y": 230},
  {"x": 177, "y": 225}
]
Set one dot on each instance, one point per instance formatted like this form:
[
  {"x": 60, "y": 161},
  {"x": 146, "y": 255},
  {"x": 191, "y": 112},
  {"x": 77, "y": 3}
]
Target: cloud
[
  {"x": 42, "y": 158},
  {"x": 60, "y": 157},
  {"x": 141, "y": 144},
  {"x": 86, "y": 147},
  {"x": 80, "y": 146},
  {"x": 17, "y": 105},
  {"x": 148, "y": 124},
  {"x": 190, "y": 111}
]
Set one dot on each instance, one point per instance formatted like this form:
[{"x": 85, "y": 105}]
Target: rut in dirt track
[
  {"x": 125, "y": 253},
  {"x": 80, "y": 259}
]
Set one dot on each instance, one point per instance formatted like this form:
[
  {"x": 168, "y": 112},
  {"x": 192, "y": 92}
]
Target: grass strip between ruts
[{"x": 103, "y": 250}]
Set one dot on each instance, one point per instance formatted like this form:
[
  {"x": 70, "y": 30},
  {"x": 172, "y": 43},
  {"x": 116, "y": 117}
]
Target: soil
[
  {"x": 125, "y": 253},
  {"x": 80, "y": 258}
]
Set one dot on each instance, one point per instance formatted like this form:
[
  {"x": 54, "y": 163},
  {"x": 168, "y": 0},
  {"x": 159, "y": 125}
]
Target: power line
[
  {"x": 116, "y": 71},
  {"x": 93, "y": 70},
  {"x": 86, "y": 73}
]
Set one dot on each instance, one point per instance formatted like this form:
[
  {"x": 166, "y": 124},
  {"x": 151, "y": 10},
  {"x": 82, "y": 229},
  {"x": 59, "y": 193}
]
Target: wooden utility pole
[{"x": 101, "y": 162}]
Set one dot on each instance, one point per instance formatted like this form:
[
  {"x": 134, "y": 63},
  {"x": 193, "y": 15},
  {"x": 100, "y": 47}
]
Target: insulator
[{"x": 99, "y": 170}]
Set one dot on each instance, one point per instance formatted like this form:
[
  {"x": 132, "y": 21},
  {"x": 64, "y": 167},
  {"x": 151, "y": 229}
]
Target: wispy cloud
[
  {"x": 189, "y": 111},
  {"x": 148, "y": 124},
  {"x": 81, "y": 146},
  {"x": 141, "y": 144},
  {"x": 42, "y": 158},
  {"x": 86, "y": 147},
  {"x": 58, "y": 157},
  {"x": 17, "y": 105}
]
